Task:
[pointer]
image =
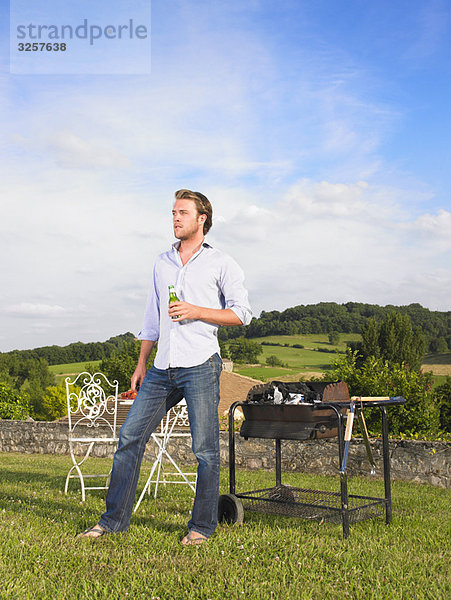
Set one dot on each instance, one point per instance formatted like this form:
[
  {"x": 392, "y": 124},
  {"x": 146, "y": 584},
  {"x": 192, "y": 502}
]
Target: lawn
[{"x": 265, "y": 558}]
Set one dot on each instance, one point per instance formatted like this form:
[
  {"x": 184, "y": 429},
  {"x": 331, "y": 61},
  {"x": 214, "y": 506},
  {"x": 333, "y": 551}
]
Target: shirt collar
[{"x": 176, "y": 245}]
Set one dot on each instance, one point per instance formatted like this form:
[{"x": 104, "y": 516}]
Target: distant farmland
[
  {"x": 300, "y": 362},
  {"x": 306, "y": 362}
]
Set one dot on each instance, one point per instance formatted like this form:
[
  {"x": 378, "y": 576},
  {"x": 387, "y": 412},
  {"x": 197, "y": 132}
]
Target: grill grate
[{"x": 316, "y": 505}]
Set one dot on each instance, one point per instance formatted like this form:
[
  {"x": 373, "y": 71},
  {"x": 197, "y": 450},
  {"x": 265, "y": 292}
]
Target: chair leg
[
  {"x": 147, "y": 486},
  {"x": 177, "y": 468},
  {"x": 77, "y": 466},
  {"x": 157, "y": 480}
]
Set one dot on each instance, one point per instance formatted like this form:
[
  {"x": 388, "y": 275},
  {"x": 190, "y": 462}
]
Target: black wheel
[{"x": 230, "y": 509}]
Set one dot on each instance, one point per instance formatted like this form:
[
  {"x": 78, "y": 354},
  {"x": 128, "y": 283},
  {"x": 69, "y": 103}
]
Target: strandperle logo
[{"x": 84, "y": 31}]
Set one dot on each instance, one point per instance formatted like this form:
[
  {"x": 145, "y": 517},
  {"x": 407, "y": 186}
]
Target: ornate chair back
[{"x": 92, "y": 406}]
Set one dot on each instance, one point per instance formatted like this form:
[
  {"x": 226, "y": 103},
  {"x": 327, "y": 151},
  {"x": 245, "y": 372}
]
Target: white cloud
[
  {"x": 337, "y": 242},
  {"x": 26, "y": 309},
  {"x": 436, "y": 226}
]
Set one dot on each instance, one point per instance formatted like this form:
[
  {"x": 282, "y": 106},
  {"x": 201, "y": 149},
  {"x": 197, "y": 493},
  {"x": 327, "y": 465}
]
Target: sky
[{"x": 319, "y": 130}]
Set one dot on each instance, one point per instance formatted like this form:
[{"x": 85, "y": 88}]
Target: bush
[
  {"x": 334, "y": 338},
  {"x": 54, "y": 402},
  {"x": 242, "y": 350},
  {"x": 12, "y": 404},
  {"x": 274, "y": 361},
  {"x": 376, "y": 377},
  {"x": 442, "y": 395}
]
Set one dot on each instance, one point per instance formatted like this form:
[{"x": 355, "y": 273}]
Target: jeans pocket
[{"x": 216, "y": 360}]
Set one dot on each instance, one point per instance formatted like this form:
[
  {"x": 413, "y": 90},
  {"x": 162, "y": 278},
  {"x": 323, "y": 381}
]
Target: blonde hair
[{"x": 202, "y": 203}]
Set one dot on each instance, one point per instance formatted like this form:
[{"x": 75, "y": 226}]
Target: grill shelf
[
  {"x": 316, "y": 505},
  {"x": 284, "y": 500}
]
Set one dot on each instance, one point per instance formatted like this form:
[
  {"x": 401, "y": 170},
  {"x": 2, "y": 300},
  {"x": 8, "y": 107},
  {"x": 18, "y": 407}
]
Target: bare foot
[{"x": 92, "y": 532}]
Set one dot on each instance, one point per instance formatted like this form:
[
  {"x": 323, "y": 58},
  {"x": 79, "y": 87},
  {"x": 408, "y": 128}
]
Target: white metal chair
[
  {"x": 174, "y": 424},
  {"x": 92, "y": 411}
]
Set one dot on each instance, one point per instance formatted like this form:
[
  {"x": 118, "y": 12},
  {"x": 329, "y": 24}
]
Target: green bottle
[{"x": 173, "y": 298}]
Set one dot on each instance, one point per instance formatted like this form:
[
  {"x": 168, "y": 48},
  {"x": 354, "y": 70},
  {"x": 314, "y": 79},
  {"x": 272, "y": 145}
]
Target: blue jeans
[{"x": 159, "y": 392}]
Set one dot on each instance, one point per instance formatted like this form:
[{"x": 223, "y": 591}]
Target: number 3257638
[{"x": 41, "y": 47}]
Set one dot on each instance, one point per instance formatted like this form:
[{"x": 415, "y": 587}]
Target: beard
[{"x": 187, "y": 232}]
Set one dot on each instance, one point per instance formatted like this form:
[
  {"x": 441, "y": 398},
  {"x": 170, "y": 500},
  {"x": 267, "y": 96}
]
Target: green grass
[
  {"x": 300, "y": 361},
  {"x": 438, "y": 359},
  {"x": 310, "y": 362},
  {"x": 265, "y": 558},
  {"x": 268, "y": 373},
  {"x": 303, "y": 362},
  {"x": 72, "y": 369},
  {"x": 311, "y": 340}
]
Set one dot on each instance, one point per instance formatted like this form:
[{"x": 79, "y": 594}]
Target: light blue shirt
[{"x": 210, "y": 279}]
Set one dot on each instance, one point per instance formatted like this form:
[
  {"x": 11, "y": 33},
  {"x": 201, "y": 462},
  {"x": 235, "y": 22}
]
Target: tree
[
  {"x": 75, "y": 352},
  {"x": 12, "y": 404},
  {"x": 334, "y": 338},
  {"x": 122, "y": 364},
  {"x": 242, "y": 350},
  {"x": 438, "y": 345},
  {"x": 223, "y": 349},
  {"x": 393, "y": 340},
  {"x": 27, "y": 376},
  {"x": 37, "y": 378},
  {"x": 370, "y": 339},
  {"x": 274, "y": 361}
]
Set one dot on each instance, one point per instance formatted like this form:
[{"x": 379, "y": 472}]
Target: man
[{"x": 209, "y": 285}]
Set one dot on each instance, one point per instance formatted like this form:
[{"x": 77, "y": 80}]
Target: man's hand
[
  {"x": 183, "y": 310},
  {"x": 141, "y": 367},
  {"x": 138, "y": 376},
  {"x": 219, "y": 316}
]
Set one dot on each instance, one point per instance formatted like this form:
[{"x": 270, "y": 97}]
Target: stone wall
[{"x": 411, "y": 460}]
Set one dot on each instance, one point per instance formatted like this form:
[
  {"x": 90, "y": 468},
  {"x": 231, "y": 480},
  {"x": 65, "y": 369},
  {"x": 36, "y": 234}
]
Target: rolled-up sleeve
[
  {"x": 151, "y": 325},
  {"x": 234, "y": 292}
]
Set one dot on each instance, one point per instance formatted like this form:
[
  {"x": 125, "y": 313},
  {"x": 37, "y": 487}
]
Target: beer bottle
[{"x": 173, "y": 298}]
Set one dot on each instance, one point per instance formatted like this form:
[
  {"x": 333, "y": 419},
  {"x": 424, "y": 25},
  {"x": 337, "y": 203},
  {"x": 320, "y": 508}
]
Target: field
[
  {"x": 266, "y": 558},
  {"x": 439, "y": 364},
  {"x": 70, "y": 369},
  {"x": 302, "y": 362}
]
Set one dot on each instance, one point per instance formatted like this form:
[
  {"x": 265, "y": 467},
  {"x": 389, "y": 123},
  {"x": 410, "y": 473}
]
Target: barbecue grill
[{"x": 306, "y": 411}]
